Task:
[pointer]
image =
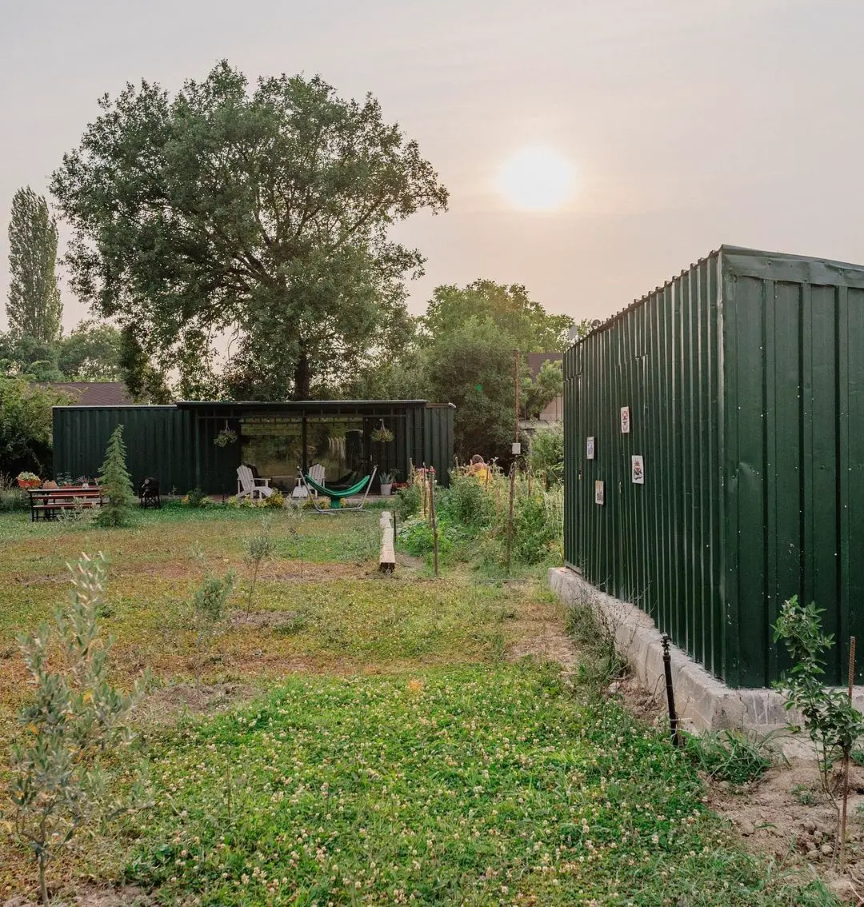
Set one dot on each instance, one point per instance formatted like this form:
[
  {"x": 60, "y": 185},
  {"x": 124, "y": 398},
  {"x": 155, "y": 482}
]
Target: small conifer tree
[{"x": 115, "y": 483}]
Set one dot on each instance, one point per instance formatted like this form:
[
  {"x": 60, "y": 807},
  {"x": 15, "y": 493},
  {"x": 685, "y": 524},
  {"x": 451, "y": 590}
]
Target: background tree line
[{"x": 239, "y": 238}]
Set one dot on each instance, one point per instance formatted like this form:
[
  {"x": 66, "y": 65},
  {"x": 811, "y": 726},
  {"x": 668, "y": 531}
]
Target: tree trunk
[{"x": 302, "y": 376}]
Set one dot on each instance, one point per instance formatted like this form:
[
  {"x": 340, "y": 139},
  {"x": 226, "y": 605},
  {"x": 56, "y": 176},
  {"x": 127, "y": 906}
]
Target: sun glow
[{"x": 536, "y": 179}]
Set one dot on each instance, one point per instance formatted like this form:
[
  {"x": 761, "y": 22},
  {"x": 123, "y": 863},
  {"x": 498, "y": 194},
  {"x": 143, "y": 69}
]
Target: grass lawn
[{"x": 389, "y": 748}]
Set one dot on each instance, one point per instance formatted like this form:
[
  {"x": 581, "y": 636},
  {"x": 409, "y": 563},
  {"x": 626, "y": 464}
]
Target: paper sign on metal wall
[
  {"x": 599, "y": 492},
  {"x": 625, "y": 420}
]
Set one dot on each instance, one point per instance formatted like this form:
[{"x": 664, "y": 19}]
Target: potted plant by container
[
  {"x": 28, "y": 480},
  {"x": 387, "y": 480}
]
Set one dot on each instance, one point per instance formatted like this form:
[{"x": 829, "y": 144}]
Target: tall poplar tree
[{"x": 34, "y": 308}]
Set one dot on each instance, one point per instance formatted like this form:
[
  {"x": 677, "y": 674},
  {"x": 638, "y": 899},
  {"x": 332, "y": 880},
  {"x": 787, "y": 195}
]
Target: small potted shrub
[
  {"x": 28, "y": 480},
  {"x": 387, "y": 480}
]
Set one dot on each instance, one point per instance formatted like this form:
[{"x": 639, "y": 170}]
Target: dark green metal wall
[
  {"x": 176, "y": 445},
  {"x": 159, "y": 442},
  {"x": 422, "y": 434},
  {"x": 747, "y": 402}
]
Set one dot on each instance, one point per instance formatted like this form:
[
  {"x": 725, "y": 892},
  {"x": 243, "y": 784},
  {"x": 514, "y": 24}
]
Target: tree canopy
[
  {"x": 91, "y": 353},
  {"x": 26, "y": 424},
  {"x": 33, "y": 307},
  {"x": 465, "y": 354},
  {"x": 524, "y": 321},
  {"x": 260, "y": 215}
]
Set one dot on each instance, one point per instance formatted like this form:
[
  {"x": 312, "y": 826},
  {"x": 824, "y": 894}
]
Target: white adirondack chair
[
  {"x": 250, "y": 487},
  {"x": 316, "y": 472}
]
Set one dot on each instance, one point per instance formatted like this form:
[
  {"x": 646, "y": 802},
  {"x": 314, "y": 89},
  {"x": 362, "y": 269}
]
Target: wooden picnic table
[{"x": 50, "y": 501}]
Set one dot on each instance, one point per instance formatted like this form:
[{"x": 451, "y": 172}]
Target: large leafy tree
[
  {"x": 474, "y": 369},
  {"x": 524, "y": 321},
  {"x": 538, "y": 392},
  {"x": 33, "y": 308},
  {"x": 25, "y": 356},
  {"x": 465, "y": 352},
  {"x": 261, "y": 215},
  {"x": 91, "y": 352},
  {"x": 26, "y": 425}
]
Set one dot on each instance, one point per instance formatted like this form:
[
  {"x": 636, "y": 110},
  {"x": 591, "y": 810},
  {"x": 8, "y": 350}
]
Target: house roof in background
[
  {"x": 536, "y": 360},
  {"x": 92, "y": 393}
]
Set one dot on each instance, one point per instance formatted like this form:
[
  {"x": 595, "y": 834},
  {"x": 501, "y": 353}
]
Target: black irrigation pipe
[{"x": 677, "y": 739}]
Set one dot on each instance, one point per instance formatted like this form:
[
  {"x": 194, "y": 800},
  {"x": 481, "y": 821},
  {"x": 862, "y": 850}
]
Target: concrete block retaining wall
[{"x": 702, "y": 701}]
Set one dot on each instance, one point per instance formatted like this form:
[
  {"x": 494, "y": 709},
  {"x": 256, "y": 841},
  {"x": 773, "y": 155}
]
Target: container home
[
  {"x": 714, "y": 448},
  {"x": 200, "y": 444}
]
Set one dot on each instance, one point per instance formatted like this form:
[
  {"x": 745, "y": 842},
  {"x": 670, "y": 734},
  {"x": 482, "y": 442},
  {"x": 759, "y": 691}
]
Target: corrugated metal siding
[
  {"x": 176, "y": 445},
  {"x": 747, "y": 404},
  {"x": 159, "y": 442},
  {"x": 421, "y": 435},
  {"x": 794, "y": 429},
  {"x": 436, "y": 447},
  {"x": 655, "y": 544}
]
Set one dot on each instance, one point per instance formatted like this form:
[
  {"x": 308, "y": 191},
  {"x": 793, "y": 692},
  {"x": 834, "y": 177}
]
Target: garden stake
[
  {"x": 846, "y": 760},
  {"x": 670, "y": 694},
  {"x": 510, "y": 517},
  {"x": 433, "y": 518}
]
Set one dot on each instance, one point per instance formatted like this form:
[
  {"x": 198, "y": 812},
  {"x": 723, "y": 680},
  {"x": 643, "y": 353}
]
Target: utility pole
[{"x": 516, "y": 413}]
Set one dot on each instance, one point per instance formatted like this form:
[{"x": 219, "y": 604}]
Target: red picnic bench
[{"x": 50, "y": 501}]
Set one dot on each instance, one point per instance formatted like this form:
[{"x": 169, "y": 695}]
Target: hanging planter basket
[
  {"x": 225, "y": 437},
  {"x": 382, "y": 434}
]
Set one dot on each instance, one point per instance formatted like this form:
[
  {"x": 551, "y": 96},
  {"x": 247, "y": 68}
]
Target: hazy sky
[{"x": 689, "y": 123}]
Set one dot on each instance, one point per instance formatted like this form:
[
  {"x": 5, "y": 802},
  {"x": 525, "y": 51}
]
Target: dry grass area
[{"x": 392, "y": 738}]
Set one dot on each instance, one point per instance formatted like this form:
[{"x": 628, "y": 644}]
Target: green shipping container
[
  {"x": 175, "y": 444},
  {"x": 714, "y": 448}
]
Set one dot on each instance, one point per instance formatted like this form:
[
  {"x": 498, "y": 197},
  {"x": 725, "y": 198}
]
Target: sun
[{"x": 536, "y": 179}]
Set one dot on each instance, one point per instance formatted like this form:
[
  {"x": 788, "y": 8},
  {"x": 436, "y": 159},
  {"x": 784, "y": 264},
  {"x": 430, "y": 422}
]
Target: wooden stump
[{"x": 387, "y": 561}]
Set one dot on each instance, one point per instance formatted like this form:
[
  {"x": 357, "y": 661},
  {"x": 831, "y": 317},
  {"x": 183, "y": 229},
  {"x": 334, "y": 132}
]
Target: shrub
[
  {"x": 547, "y": 453},
  {"x": 25, "y": 429},
  {"x": 276, "y": 500},
  {"x": 197, "y": 498},
  {"x": 11, "y": 496},
  {"x": 833, "y": 723},
  {"x": 538, "y": 524},
  {"x": 731, "y": 756},
  {"x": 212, "y": 595},
  {"x": 259, "y": 548},
  {"x": 408, "y": 501},
  {"x": 415, "y": 536},
  {"x": 115, "y": 483},
  {"x": 74, "y": 718},
  {"x": 467, "y": 502},
  {"x": 208, "y": 606}
]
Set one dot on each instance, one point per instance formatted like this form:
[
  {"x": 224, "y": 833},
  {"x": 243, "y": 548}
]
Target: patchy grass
[{"x": 396, "y": 754}]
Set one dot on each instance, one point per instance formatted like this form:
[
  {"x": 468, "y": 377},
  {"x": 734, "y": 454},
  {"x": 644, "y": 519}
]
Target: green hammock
[{"x": 336, "y": 496}]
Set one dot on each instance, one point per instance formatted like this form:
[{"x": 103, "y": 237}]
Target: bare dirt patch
[
  {"x": 284, "y": 571},
  {"x": 295, "y": 571},
  {"x": 127, "y": 896},
  {"x": 263, "y": 620},
  {"x": 166, "y": 705},
  {"x": 544, "y": 640},
  {"x": 785, "y": 815}
]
